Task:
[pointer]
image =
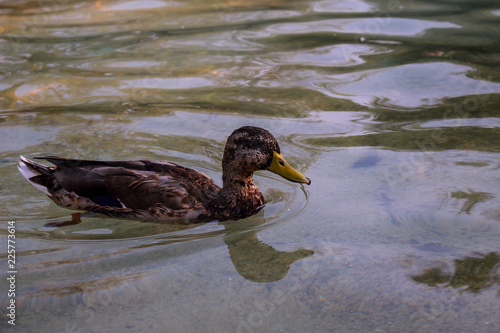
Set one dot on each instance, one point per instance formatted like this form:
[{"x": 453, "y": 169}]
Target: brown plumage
[{"x": 162, "y": 190}]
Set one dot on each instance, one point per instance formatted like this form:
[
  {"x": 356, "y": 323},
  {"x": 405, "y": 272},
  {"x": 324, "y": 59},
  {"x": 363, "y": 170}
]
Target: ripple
[
  {"x": 390, "y": 26},
  {"x": 402, "y": 86},
  {"x": 347, "y": 6},
  {"x": 328, "y": 56},
  {"x": 487, "y": 122},
  {"x": 166, "y": 83},
  {"x": 135, "y": 4}
]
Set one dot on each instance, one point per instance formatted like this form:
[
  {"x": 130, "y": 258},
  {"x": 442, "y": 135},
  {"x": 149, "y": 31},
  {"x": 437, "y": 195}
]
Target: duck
[{"x": 162, "y": 190}]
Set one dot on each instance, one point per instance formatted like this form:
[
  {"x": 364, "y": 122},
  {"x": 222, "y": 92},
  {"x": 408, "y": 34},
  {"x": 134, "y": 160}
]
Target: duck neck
[
  {"x": 234, "y": 181},
  {"x": 239, "y": 196}
]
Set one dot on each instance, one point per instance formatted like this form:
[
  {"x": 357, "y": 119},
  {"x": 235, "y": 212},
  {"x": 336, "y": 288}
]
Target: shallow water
[{"x": 391, "y": 108}]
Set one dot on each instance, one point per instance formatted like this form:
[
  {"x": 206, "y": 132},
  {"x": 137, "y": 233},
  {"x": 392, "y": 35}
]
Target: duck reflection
[
  {"x": 255, "y": 260},
  {"x": 471, "y": 273}
]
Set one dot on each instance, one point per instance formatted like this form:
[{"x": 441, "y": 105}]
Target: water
[{"x": 391, "y": 108}]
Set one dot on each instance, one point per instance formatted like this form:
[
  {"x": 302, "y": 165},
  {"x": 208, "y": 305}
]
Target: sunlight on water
[{"x": 391, "y": 108}]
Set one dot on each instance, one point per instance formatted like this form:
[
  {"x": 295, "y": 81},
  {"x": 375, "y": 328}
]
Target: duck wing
[
  {"x": 134, "y": 184},
  {"x": 143, "y": 189}
]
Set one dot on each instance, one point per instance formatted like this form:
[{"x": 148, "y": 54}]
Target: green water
[{"x": 392, "y": 108}]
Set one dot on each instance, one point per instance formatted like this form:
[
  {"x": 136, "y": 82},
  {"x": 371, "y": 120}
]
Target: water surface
[{"x": 391, "y": 108}]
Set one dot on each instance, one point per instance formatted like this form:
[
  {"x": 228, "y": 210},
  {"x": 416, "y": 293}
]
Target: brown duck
[{"x": 153, "y": 190}]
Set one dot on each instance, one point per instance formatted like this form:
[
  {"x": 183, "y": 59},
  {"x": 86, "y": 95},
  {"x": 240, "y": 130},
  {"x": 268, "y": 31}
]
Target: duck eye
[{"x": 281, "y": 162}]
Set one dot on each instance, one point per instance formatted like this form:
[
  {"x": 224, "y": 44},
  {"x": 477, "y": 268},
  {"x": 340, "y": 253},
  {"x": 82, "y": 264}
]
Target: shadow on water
[
  {"x": 473, "y": 274},
  {"x": 470, "y": 198}
]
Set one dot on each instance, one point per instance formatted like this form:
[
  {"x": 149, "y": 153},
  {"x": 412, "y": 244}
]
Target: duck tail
[{"x": 37, "y": 174}]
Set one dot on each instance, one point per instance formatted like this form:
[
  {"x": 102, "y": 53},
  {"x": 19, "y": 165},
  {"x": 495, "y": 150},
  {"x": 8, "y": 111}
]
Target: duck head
[{"x": 249, "y": 149}]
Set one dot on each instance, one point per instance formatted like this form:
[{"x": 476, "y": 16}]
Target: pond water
[{"x": 392, "y": 108}]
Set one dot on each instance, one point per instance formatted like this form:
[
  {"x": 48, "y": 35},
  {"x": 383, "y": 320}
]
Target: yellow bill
[{"x": 282, "y": 168}]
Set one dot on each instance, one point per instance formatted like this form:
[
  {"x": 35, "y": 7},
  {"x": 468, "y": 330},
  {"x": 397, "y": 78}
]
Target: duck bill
[{"x": 282, "y": 168}]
